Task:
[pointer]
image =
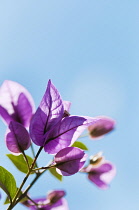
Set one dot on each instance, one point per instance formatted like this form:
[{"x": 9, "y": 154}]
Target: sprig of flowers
[{"x": 52, "y": 128}]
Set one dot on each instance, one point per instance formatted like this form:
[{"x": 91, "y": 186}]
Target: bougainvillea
[{"x": 52, "y": 128}]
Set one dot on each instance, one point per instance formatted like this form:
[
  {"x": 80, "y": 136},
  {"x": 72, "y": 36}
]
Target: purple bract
[
  {"x": 49, "y": 127},
  {"x": 53, "y": 201},
  {"x": 17, "y": 139},
  {"x": 101, "y": 127},
  {"x": 16, "y": 104},
  {"x": 69, "y": 160},
  {"x": 100, "y": 171}
]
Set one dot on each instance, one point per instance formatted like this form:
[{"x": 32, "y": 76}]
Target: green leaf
[
  {"x": 7, "y": 200},
  {"x": 7, "y": 183},
  {"x": 55, "y": 174},
  {"x": 79, "y": 145},
  {"x": 20, "y": 162}
]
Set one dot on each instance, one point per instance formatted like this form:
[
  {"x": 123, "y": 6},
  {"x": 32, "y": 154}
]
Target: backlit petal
[
  {"x": 49, "y": 113},
  {"x": 17, "y": 139},
  {"x": 14, "y": 98}
]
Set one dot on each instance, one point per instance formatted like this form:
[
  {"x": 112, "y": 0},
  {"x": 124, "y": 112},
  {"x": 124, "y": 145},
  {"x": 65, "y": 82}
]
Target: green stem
[
  {"x": 41, "y": 168},
  {"x": 24, "y": 180},
  {"x": 26, "y": 159},
  {"x": 31, "y": 184},
  {"x": 33, "y": 152},
  {"x": 32, "y": 200}
]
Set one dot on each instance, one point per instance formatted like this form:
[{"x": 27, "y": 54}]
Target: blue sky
[{"x": 90, "y": 50}]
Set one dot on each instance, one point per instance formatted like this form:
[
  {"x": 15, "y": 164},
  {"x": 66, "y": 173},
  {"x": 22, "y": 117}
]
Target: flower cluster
[
  {"x": 100, "y": 171},
  {"x": 54, "y": 200},
  {"x": 52, "y": 128}
]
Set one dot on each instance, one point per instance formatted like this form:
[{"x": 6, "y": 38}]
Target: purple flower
[
  {"x": 54, "y": 201},
  {"x": 100, "y": 171},
  {"x": 69, "y": 160},
  {"x": 55, "y": 195},
  {"x": 17, "y": 139},
  {"x": 102, "y": 126},
  {"x": 49, "y": 127},
  {"x": 16, "y": 104}
]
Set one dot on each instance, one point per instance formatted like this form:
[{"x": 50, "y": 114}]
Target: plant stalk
[{"x": 24, "y": 180}]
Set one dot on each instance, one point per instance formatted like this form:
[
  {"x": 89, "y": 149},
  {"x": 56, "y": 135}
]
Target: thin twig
[
  {"x": 32, "y": 201},
  {"x": 30, "y": 185},
  {"x": 41, "y": 168},
  {"x": 26, "y": 159},
  {"x": 24, "y": 180}
]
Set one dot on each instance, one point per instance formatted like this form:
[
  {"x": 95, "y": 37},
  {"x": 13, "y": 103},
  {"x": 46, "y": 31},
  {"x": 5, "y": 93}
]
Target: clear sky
[{"x": 90, "y": 50}]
